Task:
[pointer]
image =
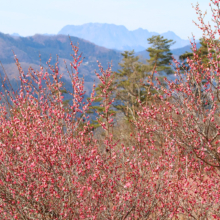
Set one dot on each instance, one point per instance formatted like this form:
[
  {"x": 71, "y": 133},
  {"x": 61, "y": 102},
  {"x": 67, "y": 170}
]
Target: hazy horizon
[{"x": 39, "y": 17}]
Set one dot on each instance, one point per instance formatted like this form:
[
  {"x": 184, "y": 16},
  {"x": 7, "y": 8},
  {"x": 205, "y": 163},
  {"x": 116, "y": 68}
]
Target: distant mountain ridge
[
  {"x": 27, "y": 50},
  {"x": 118, "y": 36}
]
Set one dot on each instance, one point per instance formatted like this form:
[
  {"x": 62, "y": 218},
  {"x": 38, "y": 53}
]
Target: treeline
[{"x": 133, "y": 84}]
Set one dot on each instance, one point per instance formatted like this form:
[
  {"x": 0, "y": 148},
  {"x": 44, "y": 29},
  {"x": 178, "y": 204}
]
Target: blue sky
[{"x": 28, "y": 17}]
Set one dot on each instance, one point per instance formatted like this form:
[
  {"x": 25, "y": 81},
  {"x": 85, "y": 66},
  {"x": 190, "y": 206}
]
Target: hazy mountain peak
[
  {"x": 15, "y": 35},
  {"x": 170, "y": 34},
  {"x": 118, "y": 36}
]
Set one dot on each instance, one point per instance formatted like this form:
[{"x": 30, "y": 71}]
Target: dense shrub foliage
[{"x": 164, "y": 163}]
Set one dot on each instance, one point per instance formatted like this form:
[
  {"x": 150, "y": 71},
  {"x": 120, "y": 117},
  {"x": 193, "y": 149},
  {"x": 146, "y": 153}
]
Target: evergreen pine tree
[
  {"x": 160, "y": 57},
  {"x": 135, "y": 79},
  {"x": 129, "y": 84},
  {"x": 132, "y": 80}
]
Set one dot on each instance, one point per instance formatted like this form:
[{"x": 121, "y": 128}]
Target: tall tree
[
  {"x": 160, "y": 57},
  {"x": 135, "y": 79},
  {"x": 129, "y": 84}
]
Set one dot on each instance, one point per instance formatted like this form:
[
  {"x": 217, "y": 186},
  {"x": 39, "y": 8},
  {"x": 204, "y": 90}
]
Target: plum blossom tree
[
  {"x": 52, "y": 167},
  {"x": 184, "y": 126}
]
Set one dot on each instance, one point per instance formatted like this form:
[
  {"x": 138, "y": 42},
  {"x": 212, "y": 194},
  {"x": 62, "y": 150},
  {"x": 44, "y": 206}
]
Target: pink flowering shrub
[
  {"x": 52, "y": 167},
  {"x": 183, "y": 127}
]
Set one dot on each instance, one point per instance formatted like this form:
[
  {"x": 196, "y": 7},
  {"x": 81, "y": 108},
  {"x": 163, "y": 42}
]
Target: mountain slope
[{"x": 28, "y": 49}]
